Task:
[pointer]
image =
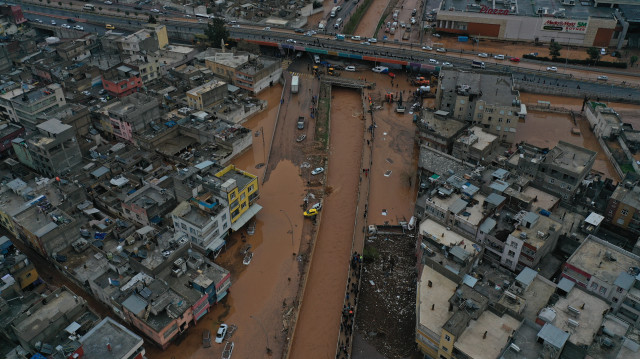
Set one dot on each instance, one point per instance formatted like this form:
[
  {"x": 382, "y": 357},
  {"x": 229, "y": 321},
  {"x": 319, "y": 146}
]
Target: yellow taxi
[
  {"x": 110, "y": 27},
  {"x": 311, "y": 212}
]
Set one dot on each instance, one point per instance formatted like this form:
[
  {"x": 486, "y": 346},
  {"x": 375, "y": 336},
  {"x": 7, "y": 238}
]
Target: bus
[{"x": 89, "y": 7}]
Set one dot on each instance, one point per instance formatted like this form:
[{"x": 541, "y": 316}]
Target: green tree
[
  {"x": 59, "y": 3},
  {"x": 152, "y": 20},
  {"x": 216, "y": 32},
  {"x": 118, "y": 9},
  {"x": 70, "y": 4},
  {"x": 99, "y": 8},
  {"x": 554, "y": 49},
  {"x": 126, "y": 12},
  {"x": 633, "y": 60},
  {"x": 593, "y": 53}
]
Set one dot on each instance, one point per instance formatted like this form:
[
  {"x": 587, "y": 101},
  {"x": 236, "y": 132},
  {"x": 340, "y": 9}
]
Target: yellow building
[
  {"x": 161, "y": 34},
  {"x": 17, "y": 264},
  {"x": 241, "y": 188}
]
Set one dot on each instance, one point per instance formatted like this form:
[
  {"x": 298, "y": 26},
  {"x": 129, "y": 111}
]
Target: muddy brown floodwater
[
  {"x": 369, "y": 21},
  {"x": 318, "y": 323},
  {"x": 255, "y": 300}
]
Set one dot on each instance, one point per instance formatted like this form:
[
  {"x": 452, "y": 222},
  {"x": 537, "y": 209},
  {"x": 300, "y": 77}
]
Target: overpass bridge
[{"x": 348, "y": 83}]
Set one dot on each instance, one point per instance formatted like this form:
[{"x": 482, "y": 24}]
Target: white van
[
  {"x": 316, "y": 59},
  {"x": 338, "y": 23},
  {"x": 88, "y": 7}
]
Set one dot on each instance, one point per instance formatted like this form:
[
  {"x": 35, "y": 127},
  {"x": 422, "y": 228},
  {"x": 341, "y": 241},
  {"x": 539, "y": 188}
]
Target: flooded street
[
  {"x": 255, "y": 300},
  {"x": 318, "y": 323},
  {"x": 369, "y": 22}
]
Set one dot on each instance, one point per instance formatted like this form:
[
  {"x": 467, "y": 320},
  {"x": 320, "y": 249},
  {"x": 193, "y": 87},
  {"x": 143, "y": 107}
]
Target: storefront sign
[
  {"x": 490, "y": 11},
  {"x": 578, "y": 27}
]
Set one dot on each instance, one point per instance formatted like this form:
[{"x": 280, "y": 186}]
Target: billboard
[{"x": 572, "y": 26}]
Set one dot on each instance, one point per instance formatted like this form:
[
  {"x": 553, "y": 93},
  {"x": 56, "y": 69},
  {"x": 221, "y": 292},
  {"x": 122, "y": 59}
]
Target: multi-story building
[
  {"x": 475, "y": 145},
  {"x": 130, "y": 115},
  {"x": 17, "y": 266},
  {"x": 204, "y": 219},
  {"x": 258, "y": 74},
  {"x": 9, "y": 132},
  {"x": 29, "y": 104},
  {"x": 225, "y": 64},
  {"x": 480, "y": 98},
  {"x": 623, "y": 208},
  {"x": 438, "y": 130},
  {"x": 241, "y": 190},
  {"x": 148, "y": 205},
  {"x": 604, "y": 121},
  {"x": 207, "y": 95},
  {"x": 121, "y": 81},
  {"x": 563, "y": 169},
  {"x": 109, "y": 339},
  {"x": 141, "y": 40},
  {"x": 54, "y": 150}
]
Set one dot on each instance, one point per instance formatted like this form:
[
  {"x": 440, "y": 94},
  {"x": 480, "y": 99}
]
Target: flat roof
[
  {"x": 553, "y": 335},
  {"x": 537, "y": 296},
  {"x": 440, "y": 163},
  {"x": 61, "y": 303},
  {"x": 591, "y": 258},
  {"x": 123, "y": 341},
  {"x": 528, "y": 8},
  {"x": 542, "y": 224},
  {"x": 494, "y": 89},
  {"x": 477, "y": 138},
  {"x": 590, "y": 318},
  {"x": 442, "y": 288},
  {"x": 570, "y": 157},
  {"x": 498, "y": 329},
  {"x": 439, "y": 233},
  {"x": 543, "y": 199}
]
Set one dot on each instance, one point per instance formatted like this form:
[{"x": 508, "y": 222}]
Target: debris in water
[
  {"x": 387, "y": 173},
  {"x": 384, "y": 212},
  {"x": 372, "y": 283},
  {"x": 305, "y": 165}
]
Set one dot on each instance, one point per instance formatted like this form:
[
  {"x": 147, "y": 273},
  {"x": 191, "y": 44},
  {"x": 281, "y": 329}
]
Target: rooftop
[
  {"x": 528, "y": 8},
  {"x": 537, "y": 296},
  {"x": 494, "y": 89},
  {"x": 629, "y": 196},
  {"x": 213, "y": 84},
  {"x": 542, "y": 199},
  {"x": 525, "y": 339},
  {"x": 441, "y": 164},
  {"x": 446, "y": 127},
  {"x": 439, "y": 234},
  {"x": 35, "y": 94},
  {"x": 537, "y": 234},
  {"x": 590, "y": 319},
  {"x": 435, "y": 295},
  {"x": 228, "y": 59},
  {"x": 594, "y": 256},
  {"x": 498, "y": 329},
  {"x": 53, "y": 127},
  {"x": 123, "y": 342},
  {"x": 477, "y": 138},
  {"x": 570, "y": 157},
  {"x": 242, "y": 178}
]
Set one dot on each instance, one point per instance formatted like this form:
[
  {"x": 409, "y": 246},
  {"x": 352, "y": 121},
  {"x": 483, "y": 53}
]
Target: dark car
[
  {"x": 71, "y": 21},
  {"x": 299, "y": 31},
  {"x": 137, "y": 8}
]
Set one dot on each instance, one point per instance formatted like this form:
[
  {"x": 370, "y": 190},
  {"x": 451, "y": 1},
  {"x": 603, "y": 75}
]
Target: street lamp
[
  {"x": 290, "y": 225},
  {"x": 264, "y": 331}
]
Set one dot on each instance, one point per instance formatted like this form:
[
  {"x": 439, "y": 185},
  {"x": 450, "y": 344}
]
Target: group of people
[{"x": 348, "y": 309}]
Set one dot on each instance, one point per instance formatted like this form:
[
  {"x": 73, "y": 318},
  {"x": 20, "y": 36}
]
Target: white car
[
  {"x": 86, "y": 93},
  {"x": 436, "y": 35},
  {"x": 433, "y": 61},
  {"x": 356, "y": 38},
  {"x": 79, "y": 28},
  {"x": 38, "y": 21},
  {"x": 317, "y": 171},
  {"x": 291, "y": 41},
  {"x": 373, "y": 40},
  {"x": 552, "y": 68},
  {"x": 155, "y": 10},
  {"x": 350, "y": 68},
  {"x": 221, "y": 333},
  {"x": 447, "y": 64},
  {"x": 428, "y": 48},
  {"x": 499, "y": 57},
  {"x": 365, "y": 43},
  {"x": 108, "y": 2},
  {"x": 65, "y": 26},
  {"x": 102, "y": 99},
  {"x": 441, "y": 49},
  {"x": 267, "y": 28},
  {"x": 413, "y": 21},
  {"x": 483, "y": 54},
  {"x": 53, "y": 22},
  {"x": 603, "y": 78}
]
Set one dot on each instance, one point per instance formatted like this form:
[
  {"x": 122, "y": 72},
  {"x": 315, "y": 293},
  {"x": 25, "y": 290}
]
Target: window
[
  {"x": 480, "y": 107},
  {"x": 480, "y": 116},
  {"x": 502, "y": 112},
  {"x": 445, "y": 348},
  {"x": 508, "y": 262},
  {"x": 447, "y": 338},
  {"x": 514, "y": 244},
  {"x": 594, "y": 286},
  {"x": 508, "y": 120},
  {"x": 603, "y": 290},
  {"x": 512, "y": 254},
  {"x": 183, "y": 226},
  {"x": 462, "y": 102},
  {"x": 620, "y": 290},
  {"x": 250, "y": 189},
  {"x": 242, "y": 197},
  {"x": 614, "y": 299},
  {"x": 624, "y": 212},
  {"x": 500, "y": 120},
  {"x": 551, "y": 180},
  {"x": 192, "y": 230}
]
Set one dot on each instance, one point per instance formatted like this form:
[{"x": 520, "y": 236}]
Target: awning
[
  {"x": 246, "y": 217},
  {"x": 216, "y": 244}
]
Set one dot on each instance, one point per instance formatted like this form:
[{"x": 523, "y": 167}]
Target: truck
[
  {"x": 294, "y": 84},
  {"x": 478, "y": 64},
  {"x": 301, "y": 123},
  {"x": 334, "y": 11}
]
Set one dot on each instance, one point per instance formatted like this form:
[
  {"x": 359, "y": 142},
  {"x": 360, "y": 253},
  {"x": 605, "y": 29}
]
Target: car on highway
[
  {"x": 71, "y": 21},
  {"x": 350, "y": 68},
  {"x": 433, "y": 61},
  {"x": 79, "y": 28},
  {"x": 483, "y": 54},
  {"x": 108, "y": 2},
  {"x": 441, "y": 49},
  {"x": 499, "y": 57},
  {"x": 552, "y": 69},
  {"x": 65, "y": 26},
  {"x": 137, "y": 8},
  {"x": 317, "y": 171},
  {"x": 38, "y": 21},
  {"x": 380, "y": 69},
  {"x": 53, "y": 22},
  {"x": 155, "y": 10},
  {"x": 372, "y": 40},
  {"x": 267, "y": 28},
  {"x": 447, "y": 64},
  {"x": 428, "y": 48},
  {"x": 514, "y": 59},
  {"x": 311, "y": 212},
  {"x": 436, "y": 35},
  {"x": 365, "y": 43},
  {"x": 299, "y": 31},
  {"x": 291, "y": 41},
  {"x": 603, "y": 78},
  {"x": 356, "y": 38},
  {"x": 109, "y": 27},
  {"x": 221, "y": 333}
]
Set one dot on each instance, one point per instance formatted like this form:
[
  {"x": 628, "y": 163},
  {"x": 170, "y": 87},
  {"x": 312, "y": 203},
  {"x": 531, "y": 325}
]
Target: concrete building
[
  {"x": 206, "y": 95},
  {"x": 455, "y": 247},
  {"x": 54, "y": 150},
  {"x": 225, "y": 64},
  {"x": 109, "y": 339},
  {"x": 9, "y": 132},
  {"x": 605, "y": 122},
  {"x": 538, "y": 22},
  {"x": 141, "y": 40},
  {"x": 131, "y": 114},
  {"x": 148, "y": 205},
  {"x": 258, "y": 74},
  {"x": 121, "y": 81},
  {"x": 205, "y": 219},
  {"x": 623, "y": 207},
  {"x": 563, "y": 169},
  {"x": 17, "y": 266},
  {"x": 28, "y": 105},
  {"x": 241, "y": 190},
  {"x": 481, "y": 98},
  {"x": 438, "y": 130},
  {"x": 475, "y": 145}
]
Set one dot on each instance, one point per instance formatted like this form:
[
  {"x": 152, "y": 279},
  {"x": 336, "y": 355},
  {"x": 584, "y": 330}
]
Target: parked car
[
  {"x": 317, "y": 171},
  {"x": 603, "y": 78},
  {"x": 372, "y": 40},
  {"x": 221, "y": 333},
  {"x": 428, "y": 48},
  {"x": 483, "y": 54},
  {"x": 499, "y": 57},
  {"x": 436, "y": 35},
  {"x": 86, "y": 93},
  {"x": 392, "y": 75},
  {"x": 514, "y": 59},
  {"x": 104, "y": 100},
  {"x": 355, "y": 38},
  {"x": 79, "y": 28},
  {"x": 552, "y": 68},
  {"x": 350, "y": 68},
  {"x": 441, "y": 49},
  {"x": 365, "y": 43}
]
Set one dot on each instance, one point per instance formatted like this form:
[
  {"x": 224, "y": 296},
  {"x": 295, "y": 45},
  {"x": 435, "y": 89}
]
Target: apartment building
[
  {"x": 475, "y": 145},
  {"x": 206, "y": 95},
  {"x": 148, "y": 205},
  {"x": 131, "y": 114},
  {"x": 258, "y": 74},
  {"x": 623, "y": 207},
  {"x": 121, "y": 81},
  {"x": 204, "y": 219},
  {"x": 27, "y": 105},
  {"x": 241, "y": 189},
  {"x": 225, "y": 64}
]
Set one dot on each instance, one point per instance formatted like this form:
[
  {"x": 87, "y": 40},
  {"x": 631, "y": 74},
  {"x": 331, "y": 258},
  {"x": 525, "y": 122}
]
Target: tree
[
  {"x": 633, "y": 60},
  {"x": 126, "y": 12},
  {"x": 593, "y": 53},
  {"x": 216, "y": 32},
  {"x": 554, "y": 49},
  {"x": 99, "y": 8},
  {"x": 152, "y": 20},
  {"x": 59, "y": 3},
  {"x": 118, "y": 9}
]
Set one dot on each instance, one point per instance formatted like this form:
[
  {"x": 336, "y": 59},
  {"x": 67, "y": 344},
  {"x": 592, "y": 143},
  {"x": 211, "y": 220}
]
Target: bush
[
  {"x": 562, "y": 60},
  {"x": 317, "y": 4}
]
